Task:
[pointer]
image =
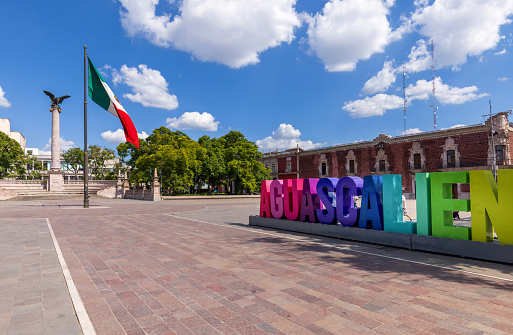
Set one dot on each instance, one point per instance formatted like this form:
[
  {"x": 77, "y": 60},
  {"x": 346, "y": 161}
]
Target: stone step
[
  {"x": 82, "y": 187},
  {"x": 42, "y": 192},
  {"x": 21, "y": 187},
  {"x": 26, "y": 194}
]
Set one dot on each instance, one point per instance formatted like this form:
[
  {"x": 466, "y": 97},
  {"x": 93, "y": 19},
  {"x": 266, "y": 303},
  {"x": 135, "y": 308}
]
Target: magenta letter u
[{"x": 292, "y": 191}]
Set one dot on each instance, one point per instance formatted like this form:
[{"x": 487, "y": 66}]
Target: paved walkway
[
  {"x": 34, "y": 298},
  {"x": 192, "y": 267}
]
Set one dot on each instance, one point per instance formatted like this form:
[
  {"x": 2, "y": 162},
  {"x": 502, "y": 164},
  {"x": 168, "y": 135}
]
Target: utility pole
[
  {"x": 404, "y": 99},
  {"x": 433, "y": 70},
  {"x": 494, "y": 157}
]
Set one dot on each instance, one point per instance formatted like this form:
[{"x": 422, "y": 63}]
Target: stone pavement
[
  {"x": 193, "y": 267},
  {"x": 34, "y": 298}
]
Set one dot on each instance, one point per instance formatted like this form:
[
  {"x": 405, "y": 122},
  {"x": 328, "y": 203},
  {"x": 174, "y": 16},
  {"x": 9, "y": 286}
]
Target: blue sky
[{"x": 282, "y": 72}]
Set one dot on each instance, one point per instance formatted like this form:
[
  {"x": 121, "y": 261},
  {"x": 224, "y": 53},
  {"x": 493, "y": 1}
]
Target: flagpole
[{"x": 86, "y": 167}]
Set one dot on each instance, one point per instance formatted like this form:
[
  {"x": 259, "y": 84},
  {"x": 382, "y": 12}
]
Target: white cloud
[
  {"x": 149, "y": 86},
  {"x": 64, "y": 146},
  {"x": 421, "y": 90},
  {"x": 118, "y": 136},
  {"x": 193, "y": 120},
  {"x": 411, "y": 131},
  {"x": 503, "y": 79},
  {"x": 371, "y": 106},
  {"x": 285, "y": 137},
  {"x": 286, "y": 131},
  {"x": 142, "y": 135},
  {"x": 458, "y": 126},
  {"x": 229, "y": 32},
  {"x": 502, "y": 52},
  {"x": 462, "y": 28},
  {"x": 3, "y": 100},
  {"x": 455, "y": 126},
  {"x": 445, "y": 94},
  {"x": 419, "y": 58},
  {"x": 348, "y": 31},
  {"x": 382, "y": 80}
]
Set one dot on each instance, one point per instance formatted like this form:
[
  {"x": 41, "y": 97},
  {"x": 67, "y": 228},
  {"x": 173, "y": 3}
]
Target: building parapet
[{"x": 397, "y": 139}]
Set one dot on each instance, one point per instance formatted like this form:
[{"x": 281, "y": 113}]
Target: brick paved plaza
[{"x": 195, "y": 267}]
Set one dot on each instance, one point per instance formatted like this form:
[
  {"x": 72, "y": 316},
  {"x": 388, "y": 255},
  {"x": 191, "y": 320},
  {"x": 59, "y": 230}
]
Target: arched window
[
  {"x": 417, "y": 159},
  {"x": 381, "y": 164},
  {"x": 351, "y": 165},
  {"x": 323, "y": 166},
  {"x": 451, "y": 156}
]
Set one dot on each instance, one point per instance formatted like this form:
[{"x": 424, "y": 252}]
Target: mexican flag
[{"x": 101, "y": 93}]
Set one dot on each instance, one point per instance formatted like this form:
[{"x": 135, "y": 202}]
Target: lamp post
[{"x": 494, "y": 157}]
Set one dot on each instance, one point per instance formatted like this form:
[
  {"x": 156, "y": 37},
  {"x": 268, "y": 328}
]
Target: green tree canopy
[
  {"x": 175, "y": 155},
  {"x": 12, "y": 158},
  {"x": 213, "y": 166},
  {"x": 128, "y": 153},
  {"x": 187, "y": 164},
  {"x": 241, "y": 157},
  {"x": 74, "y": 157},
  {"x": 97, "y": 159}
]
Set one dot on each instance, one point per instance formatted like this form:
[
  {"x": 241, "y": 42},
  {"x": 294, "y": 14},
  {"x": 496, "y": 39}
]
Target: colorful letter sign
[
  {"x": 277, "y": 199},
  {"x": 371, "y": 214},
  {"x": 325, "y": 186},
  {"x": 393, "y": 206},
  {"x": 492, "y": 206},
  {"x": 443, "y": 204},
  {"x": 309, "y": 200},
  {"x": 347, "y": 189},
  {"x": 292, "y": 191},
  {"x": 330, "y": 200}
]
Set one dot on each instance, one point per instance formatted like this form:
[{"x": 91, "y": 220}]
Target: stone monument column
[
  {"x": 56, "y": 147},
  {"x": 55, "y": 176}
]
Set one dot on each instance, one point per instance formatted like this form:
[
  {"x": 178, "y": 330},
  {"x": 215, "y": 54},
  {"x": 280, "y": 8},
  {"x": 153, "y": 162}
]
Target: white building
[
  {"x": 5, "y": 127},
  {"x": 44, "y": 163}
]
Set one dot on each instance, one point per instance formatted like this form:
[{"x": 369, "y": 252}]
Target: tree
[
  {"x": 213, "y": 170},
  {"x": 74, "y": 158},
  {"x": 12, "y": 158},
  {"x": 128, "y": 153},
  {"x": 97, "y": 159},
  {"x": 175, "y": 154},
  {"x": 186, "y": 164},
  {"x": 243, "y": 168}
]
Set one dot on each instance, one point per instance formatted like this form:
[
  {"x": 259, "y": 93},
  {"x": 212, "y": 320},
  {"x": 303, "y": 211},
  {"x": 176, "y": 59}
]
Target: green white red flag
[{"x": 101, "y": 93}]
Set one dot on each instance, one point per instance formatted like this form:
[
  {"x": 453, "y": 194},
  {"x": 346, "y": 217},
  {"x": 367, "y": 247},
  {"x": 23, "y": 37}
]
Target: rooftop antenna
[
  {"x": 404, "y": 101},
  {"x": 433, "y": 69}
]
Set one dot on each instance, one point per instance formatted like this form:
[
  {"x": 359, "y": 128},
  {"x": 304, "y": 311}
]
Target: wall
[{"x": 471, "y": 143}]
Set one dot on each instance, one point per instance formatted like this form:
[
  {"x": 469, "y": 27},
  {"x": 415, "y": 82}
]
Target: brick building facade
[{"x": 457, "y": 149}]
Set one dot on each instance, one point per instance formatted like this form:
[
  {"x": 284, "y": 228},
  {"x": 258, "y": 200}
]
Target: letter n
[{"x": 492, "y": 206}]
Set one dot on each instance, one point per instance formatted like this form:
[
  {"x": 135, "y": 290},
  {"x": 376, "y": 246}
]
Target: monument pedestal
[
  {"x": 55, "y": 180},
  {"x": 155, "y": 188}
]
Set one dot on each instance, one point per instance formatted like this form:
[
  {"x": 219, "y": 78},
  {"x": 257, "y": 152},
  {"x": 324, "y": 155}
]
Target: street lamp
[{"x": 494, "y": 157}]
